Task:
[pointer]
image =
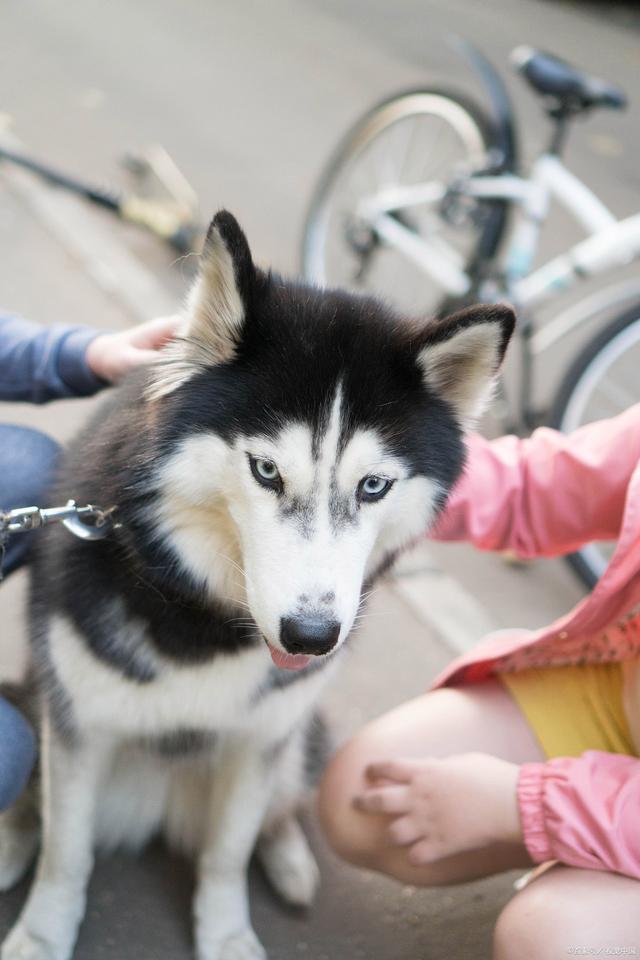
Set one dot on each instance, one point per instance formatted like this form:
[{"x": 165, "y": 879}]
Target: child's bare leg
[
  {"x": 568, "y": 912},
  {"x": 481, "y": 718}
]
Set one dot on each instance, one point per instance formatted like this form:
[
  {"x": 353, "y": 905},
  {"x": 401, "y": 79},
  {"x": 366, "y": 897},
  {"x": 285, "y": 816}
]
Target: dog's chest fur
[{"x": 239, "y": 693}]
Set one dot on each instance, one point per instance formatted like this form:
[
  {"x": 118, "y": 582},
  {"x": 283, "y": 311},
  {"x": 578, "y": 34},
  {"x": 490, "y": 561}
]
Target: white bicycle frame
[{"x": 611, "y": 242}]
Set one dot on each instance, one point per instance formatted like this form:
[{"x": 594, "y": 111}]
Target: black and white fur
[{"x": 161, "y": 707}]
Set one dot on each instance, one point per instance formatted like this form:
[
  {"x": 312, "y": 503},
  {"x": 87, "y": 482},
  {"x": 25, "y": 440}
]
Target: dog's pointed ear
[
  {"x": 217, "y": 309},
  {"x": 460, "y": 357},
  {"x": 221, "y": 296}
]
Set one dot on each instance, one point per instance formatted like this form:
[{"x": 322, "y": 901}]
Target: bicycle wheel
[
  {"x": 420, "y": 137},
  {"x": 601, "y": 382}
]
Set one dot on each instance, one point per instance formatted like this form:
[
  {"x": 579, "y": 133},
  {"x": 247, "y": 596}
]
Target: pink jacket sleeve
[
  {"x": 583, "y": 811},
  {"x": 546, "y": 495}
]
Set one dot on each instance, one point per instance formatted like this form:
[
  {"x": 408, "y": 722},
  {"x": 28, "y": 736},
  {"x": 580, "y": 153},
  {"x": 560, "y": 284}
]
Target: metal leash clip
[{"x": 87, "y": 523}]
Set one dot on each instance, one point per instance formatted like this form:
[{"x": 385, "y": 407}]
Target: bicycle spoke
[
  {"x": 404, "y": 176},
  {"x": 404, "y": 133}
]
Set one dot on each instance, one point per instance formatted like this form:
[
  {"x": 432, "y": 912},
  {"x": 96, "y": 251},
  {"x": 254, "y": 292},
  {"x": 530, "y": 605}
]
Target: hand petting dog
[
  {"x": 440, "y": 807},
  {"x": 111, "y": 356}
]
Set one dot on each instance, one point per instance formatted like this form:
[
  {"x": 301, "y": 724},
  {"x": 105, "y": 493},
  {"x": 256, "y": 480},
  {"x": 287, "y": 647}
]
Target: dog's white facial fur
[{"x": 306, "y": 550}]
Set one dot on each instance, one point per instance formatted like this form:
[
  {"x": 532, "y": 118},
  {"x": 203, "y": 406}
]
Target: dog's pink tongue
[{"x": 288, "y": 661}]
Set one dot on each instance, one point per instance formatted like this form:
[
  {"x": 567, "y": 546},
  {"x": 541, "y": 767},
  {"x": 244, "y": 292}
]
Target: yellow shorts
[{"x": 574, "y": 708}]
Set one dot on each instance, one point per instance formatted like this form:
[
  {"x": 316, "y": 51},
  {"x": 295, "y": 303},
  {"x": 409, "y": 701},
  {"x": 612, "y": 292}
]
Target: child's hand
[
  {"x": 440, "y": 807},
  {"x": 112, "y": 355}
]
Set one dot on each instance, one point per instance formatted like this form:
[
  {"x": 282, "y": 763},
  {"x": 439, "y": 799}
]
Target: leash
[{"x": 87, "y": 523}]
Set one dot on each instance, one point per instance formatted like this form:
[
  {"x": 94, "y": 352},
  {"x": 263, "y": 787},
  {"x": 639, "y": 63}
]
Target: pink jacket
[{"x": 543, "y": 497}]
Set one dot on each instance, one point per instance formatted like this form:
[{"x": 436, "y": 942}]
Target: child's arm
[
  {"x": 47, "y": 363},
  {"x": 546, "y": 495},
  {"x": 583, "y": 811}
]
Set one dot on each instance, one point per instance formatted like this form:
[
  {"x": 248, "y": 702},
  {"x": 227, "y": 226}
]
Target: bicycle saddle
[{"x": 573, "y": 89}]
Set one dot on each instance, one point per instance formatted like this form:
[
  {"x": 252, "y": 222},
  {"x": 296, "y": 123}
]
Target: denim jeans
[{"x": 27, "y": 463}]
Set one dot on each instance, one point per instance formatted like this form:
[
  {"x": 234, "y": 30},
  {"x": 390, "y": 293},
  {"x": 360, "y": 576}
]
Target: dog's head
[{"x": 306, "y": 436}]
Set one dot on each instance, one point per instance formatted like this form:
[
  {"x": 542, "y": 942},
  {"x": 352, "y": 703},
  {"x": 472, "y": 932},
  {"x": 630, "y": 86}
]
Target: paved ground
[{"x": 249, "y": 98}]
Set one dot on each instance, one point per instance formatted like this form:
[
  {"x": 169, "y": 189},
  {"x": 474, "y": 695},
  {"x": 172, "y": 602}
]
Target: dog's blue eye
[
  {"x": 266, "y": 472},
  {"x": 374, "y": 488}
]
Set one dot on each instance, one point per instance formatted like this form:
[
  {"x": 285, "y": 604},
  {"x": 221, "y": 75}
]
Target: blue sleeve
[{"x": 44, "y": 363}]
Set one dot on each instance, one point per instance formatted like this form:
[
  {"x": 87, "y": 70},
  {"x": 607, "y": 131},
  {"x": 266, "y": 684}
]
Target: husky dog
[{"x": 280, "y": 452}]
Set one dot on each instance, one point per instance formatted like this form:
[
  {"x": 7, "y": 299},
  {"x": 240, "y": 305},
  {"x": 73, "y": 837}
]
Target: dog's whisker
[
  {"x": 234, "y": 563},
  {"x": 369, "y": 616},
  {"x": 367, "y": 596},
  {"x": 238, "y": 601}
]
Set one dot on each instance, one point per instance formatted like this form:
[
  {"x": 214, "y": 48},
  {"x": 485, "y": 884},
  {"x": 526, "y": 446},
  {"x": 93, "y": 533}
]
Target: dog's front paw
[
  {"x": 289, "y": 864},
  {"x": 241, "y": 946},
  {"x": 23, "y": 945}
]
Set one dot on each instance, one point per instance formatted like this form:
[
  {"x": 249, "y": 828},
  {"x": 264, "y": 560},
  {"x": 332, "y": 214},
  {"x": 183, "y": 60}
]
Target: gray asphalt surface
[{"x": 250, "y": 98}]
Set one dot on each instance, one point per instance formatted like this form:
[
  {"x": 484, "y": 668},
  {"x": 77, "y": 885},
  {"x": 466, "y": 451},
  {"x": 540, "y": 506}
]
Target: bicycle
[{"x": 415, "y": 205}]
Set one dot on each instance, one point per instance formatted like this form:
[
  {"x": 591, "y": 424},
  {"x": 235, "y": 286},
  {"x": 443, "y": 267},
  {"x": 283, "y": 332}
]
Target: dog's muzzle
[{"x": 313, "y": 636}]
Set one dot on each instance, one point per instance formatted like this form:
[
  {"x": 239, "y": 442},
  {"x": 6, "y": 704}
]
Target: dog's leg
[
  {"x": 241, "y": 789},
  {"x": 283, "y": 850},
  {"x": 48, "y": 924},
  {"x": 19, "y": 837},
  {"x": 288, "y": 862}
]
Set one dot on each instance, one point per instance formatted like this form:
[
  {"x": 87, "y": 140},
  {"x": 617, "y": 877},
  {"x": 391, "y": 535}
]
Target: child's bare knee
[
  {"x": 525, "y": 928},
  {"x": 350, "y": 833}
]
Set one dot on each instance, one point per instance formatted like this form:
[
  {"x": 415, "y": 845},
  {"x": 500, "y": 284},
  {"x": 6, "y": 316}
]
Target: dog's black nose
[{"x": 310, "y": 635}]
